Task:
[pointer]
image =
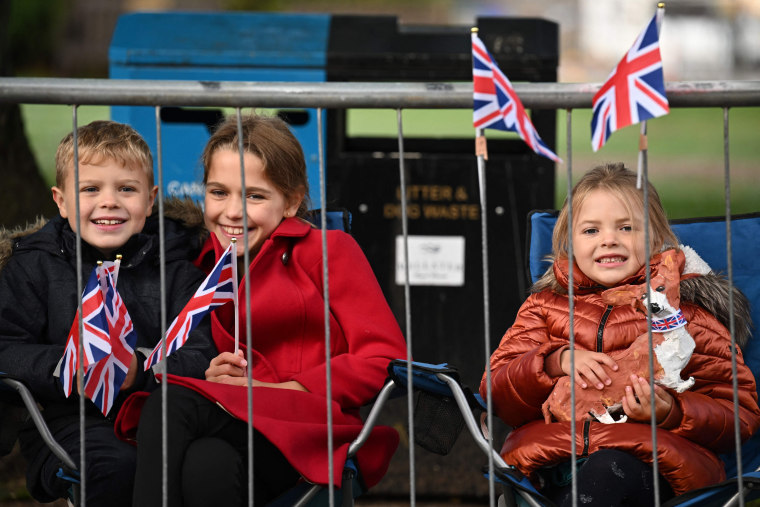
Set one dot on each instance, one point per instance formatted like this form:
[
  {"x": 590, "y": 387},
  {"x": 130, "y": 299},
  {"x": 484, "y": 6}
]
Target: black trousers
[
  {"x": 109, "y": 462},
  {"x": 207, "y": 458},
  {"x": 611, "y": 477}
]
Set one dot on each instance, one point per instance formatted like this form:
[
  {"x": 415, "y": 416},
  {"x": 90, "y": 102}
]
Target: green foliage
[
  {"x": 46, "y": 125},
  {"x": 33, "y": 30},
  {"x": 251, "y": 5}
]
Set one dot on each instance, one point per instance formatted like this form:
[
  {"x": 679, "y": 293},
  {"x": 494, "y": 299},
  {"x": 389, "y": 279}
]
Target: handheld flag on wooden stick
[
  {"x": 233, "y": 245},
  {"x": 495, "y": 103},
  {"x": 635, "y": 90},
  {"x": 216, "y": 290},
  {"x": 103, "y": 381},
  {"x": 96, "y": 342}
]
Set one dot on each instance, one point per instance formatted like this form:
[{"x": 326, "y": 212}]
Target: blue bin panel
[
  {"x": 234, "y": 47},
  {"x": 221, "y": 40}
]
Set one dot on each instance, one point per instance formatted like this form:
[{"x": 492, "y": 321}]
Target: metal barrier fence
[{"x": 329, "y": 95}]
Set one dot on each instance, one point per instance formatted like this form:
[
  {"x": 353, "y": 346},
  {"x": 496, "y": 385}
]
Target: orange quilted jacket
[{"x": 687, "y": 453}]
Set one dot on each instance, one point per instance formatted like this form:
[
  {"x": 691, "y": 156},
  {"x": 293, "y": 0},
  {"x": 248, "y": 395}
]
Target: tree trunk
[{"x": 23, "y": 192}]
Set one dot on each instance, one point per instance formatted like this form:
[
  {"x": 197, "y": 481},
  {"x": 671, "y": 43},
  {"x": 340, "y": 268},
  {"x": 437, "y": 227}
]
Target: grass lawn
[
  {"x": 685, "y": 148},
  {"x": 46, "y": 125}
]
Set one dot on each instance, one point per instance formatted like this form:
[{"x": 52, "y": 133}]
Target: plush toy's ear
[
  {"x": 623, "y": 295},
  {"x": 669, "y": 271}
]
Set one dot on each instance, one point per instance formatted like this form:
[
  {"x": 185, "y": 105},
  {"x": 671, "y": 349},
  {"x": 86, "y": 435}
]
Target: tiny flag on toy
[
  {"x": 96, "y": 342},
  {"x": 103, "y": 381},
  {"x": 216, "y": 290},
  {"x": 635, "y": 90},
  {"x": 495, "y": 103}
]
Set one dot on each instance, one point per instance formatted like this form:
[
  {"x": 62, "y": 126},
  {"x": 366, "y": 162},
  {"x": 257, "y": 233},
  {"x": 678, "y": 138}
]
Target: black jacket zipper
[
  {"x": 586, "y": 428},
  {"x": 600, "y": 330}
]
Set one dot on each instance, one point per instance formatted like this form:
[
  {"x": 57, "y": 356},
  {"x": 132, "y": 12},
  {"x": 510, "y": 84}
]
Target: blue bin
[{"x": 215, "y": 47}]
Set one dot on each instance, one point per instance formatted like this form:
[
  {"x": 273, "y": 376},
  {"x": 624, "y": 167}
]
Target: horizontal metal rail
[{"x": 342, "y": 95}]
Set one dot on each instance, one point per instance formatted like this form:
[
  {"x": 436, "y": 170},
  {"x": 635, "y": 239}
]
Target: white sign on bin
[{"x": 433, "y": 260}]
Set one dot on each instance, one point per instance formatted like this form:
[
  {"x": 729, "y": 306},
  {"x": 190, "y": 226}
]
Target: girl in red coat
[
  {"x": 614, "y": 460},
  {"x": 208, "y": 419}
]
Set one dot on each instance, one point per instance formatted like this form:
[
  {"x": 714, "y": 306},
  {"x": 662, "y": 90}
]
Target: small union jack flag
[
  {"x": 103, "y": 381},
  {"x": 669, "y": 323},
  {"x": 216, "y": 290},
  {"x": 635, "y": 89},
  {"x": 495, "y": 103},
  {"x": 96, "y": 343}
]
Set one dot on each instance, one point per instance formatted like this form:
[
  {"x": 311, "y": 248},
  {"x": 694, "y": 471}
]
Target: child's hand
[
  {"x": 128, "y": 380},
  {"x": 227, "y": 368},
  {"x": 131, "y": 373},
  {"x": 589, "y": 367},
  {"x": 637, "y": 402}
]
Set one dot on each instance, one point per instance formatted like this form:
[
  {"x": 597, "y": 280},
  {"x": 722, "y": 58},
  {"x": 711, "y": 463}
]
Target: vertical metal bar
[
  {"x": 326, "y": 296},
  {"x": 162, "y": 271},
  {"x": 732, "y": 328},
  {"x": 407, "y": 308},
  {"x": 571, "y": 309},
  {"x": 648, "y": 276},
  {"x": 486, "y": 314},
  {"x": 247, "y": 308},
  {"x": 80, "y": 289}
]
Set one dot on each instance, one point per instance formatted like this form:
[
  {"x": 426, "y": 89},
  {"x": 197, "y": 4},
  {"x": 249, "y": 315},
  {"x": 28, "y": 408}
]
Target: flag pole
[
  {"x": 643, "y": 142},
  {"x": 235, "y": 293},
  {"x": 116, "y": 265},
  {"x": 101, "y": 279},
  {"x": 481, "y": 152},
  {"x": 642, "y": 152}
]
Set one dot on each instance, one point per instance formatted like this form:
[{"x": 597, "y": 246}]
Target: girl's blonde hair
[
  {"x": 270, "y": 139},
  {"x": 104, "y": 140},
  {"x": 621, "y": 182}
]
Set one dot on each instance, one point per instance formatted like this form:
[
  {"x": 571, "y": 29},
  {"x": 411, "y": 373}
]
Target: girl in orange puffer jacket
[{"x": 614, "y": 461}]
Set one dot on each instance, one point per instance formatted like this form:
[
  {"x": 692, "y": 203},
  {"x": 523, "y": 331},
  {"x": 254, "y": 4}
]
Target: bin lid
[{"x": 240, "y": 39}]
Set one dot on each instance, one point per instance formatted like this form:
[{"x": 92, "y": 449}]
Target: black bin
[{"x": 444, "y": 207}]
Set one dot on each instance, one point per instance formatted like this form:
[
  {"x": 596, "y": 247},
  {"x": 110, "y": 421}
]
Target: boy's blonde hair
[
  {"x": 621, "y": 182},
  {"x": 100, "y": 140},
  {"x": 270, "y": 139}
]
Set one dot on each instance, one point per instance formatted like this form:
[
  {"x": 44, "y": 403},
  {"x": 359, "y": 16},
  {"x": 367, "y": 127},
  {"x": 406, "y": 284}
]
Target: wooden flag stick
[{"x": 235, "y": 293}]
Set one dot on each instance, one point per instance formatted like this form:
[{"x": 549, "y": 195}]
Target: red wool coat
[
  {"x": 287, "y": 336},
  {"x": 704, "y": 425}
]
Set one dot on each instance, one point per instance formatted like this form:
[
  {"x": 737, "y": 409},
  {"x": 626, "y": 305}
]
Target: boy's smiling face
[{"x": 114, "y": 202}]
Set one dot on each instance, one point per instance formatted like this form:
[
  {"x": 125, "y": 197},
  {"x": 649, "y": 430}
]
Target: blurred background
[
  {"x": 701, "y": 40},
  {"x": 713, "y": 40}
]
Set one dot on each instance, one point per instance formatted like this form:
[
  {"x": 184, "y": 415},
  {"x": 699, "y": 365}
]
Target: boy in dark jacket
[{"x": 39, "y": 298}]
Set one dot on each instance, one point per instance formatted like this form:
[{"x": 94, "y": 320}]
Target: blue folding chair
[
  {"x": 707, "y": 236},
  {"x": 451, "y": 408}
]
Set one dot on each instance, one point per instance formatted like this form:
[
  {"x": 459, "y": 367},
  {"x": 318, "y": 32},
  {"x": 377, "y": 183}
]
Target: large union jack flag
[
  {"x": 216, "y": 290},
  {"x": 634, "y": 91},
  {"x": 103, "y": 381},
  {"x": 96, "y": 343},
  {"x": 495, "y": 103}
]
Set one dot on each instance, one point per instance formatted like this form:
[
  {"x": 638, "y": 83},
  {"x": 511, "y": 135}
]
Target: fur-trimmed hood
[
  {"x": 699, "y": 285},
  {"x": 185, "y": 212}
]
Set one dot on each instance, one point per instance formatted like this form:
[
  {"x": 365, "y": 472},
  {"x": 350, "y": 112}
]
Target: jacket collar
[
  {"x": 583, "y": 284},
  {"x": 288, "y": 228}
]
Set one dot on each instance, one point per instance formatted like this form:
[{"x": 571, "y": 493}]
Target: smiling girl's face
[
  {"x": 265, "y": 208},
  {"x": 608, "y": 238}
]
